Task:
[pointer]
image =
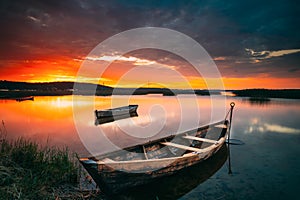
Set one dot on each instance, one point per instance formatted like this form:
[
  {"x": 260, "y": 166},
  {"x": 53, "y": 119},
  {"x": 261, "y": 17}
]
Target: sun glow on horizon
[
  {"x": 152, "y": 74},
  {"x": 229, "y": 83}
]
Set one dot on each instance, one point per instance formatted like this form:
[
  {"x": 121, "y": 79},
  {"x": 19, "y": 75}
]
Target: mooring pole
[{"x": 232, "y": 104}]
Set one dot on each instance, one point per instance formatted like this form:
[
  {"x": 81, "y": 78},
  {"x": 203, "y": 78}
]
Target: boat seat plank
[
  {"x": 221, "y": 126},
  {"x": 107, "y": 160},
  {"x": 180, "y": 146},
  {"x": 200, "y": 139}
]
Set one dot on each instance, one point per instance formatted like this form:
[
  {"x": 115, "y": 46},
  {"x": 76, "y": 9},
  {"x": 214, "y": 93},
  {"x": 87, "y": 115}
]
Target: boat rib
[
  {"x": 180, "y": 146},
  {"x": 200, "y": 139},
  {"x": 145, "y": 153}
]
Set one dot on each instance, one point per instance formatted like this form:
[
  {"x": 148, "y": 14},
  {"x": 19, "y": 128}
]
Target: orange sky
[
  {"x": 44, "y": 42},
  {"x": 66, "y": 70}
]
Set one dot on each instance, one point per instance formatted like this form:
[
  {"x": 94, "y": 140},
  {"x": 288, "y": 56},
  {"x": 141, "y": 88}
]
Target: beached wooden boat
[
  {"x": 177, "y": 185},
  {"x": 125, "y": 110},
  {"x": 140, "y": 164}
]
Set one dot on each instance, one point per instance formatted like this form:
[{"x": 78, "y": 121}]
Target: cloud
[
  {"x": 72, "y": 28},
  {"x": 271, "y": 54},
  {"x": 222, "y": 58},
  {"x": 33, "y": 19},
  {"x": 135, "y": 61}
]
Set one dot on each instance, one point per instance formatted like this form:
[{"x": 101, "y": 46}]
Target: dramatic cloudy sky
[{"x": 254, "y": 43}]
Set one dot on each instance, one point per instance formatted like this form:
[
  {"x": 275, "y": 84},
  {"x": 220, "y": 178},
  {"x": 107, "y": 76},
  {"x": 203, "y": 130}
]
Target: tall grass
[{"x": 29, "y": 171}]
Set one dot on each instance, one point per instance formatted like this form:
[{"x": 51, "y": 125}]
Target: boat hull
[
  {"x": 126, "y": 110},
  {"x": 179, "y": 183},
  {"x": 104, "y": 120},
  {"x": 112, "y": 180},
  {"x": 25, "y": 99},
  {"x": 114, "y": 176}
]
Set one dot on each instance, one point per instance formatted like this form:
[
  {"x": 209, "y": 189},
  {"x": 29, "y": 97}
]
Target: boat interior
[{"x": 195, "y": 140}]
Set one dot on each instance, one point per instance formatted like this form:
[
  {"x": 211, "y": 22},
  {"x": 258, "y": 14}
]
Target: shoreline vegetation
[
  {"x": 265, "y": 94},
  {"x": 30, "y": 171},
  {"x": 14, "y": 90}
]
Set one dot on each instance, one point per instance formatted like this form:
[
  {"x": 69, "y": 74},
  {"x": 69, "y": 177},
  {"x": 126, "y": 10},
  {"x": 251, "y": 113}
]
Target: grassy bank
[{"x": 29, "y": 171}]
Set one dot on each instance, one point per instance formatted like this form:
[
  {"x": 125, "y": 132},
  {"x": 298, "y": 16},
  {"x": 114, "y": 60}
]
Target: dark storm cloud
[
  {"x": 281, "y": 67},
  {"x": 71, "y": 28}
]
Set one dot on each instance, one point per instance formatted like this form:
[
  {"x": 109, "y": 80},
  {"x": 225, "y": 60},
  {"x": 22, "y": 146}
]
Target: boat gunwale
[
  {"x": 190, "y": 154},
  {"x": 118, "y": 108},
  {"x": 97, "y": 158},
  {"x": 119, "y": 111}
]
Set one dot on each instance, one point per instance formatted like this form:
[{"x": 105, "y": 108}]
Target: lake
[{"x": 265, "y": 167}]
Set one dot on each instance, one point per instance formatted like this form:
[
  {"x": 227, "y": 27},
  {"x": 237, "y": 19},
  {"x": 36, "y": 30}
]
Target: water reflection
[
  {"x": 263, "y": 168},
  {"x": 50, "y": 120},
  {"x": 158, "y": 116},
  {"x": 257, "y": 125},
  {"x": 179, "y": 184},
  {"x": 258, "y": 101},
  {"x": 45, "y": 119}
]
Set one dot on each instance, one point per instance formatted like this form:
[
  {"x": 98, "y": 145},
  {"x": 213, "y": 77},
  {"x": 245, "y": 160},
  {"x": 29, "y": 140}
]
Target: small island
[{"x": 265, "y": 94}]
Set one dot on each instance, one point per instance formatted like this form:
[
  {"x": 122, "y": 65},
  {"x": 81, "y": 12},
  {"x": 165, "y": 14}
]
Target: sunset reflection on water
[
  {"x": 271, "y": 134},
  {"x": 51, "y": 119}
]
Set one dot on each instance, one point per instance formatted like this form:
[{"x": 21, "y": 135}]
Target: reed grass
[{"x": 29, "y": 171}]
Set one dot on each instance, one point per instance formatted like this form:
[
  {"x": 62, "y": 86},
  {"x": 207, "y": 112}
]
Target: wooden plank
[
  {"x": 201, "y": 139},
  {"x": 145, "y": 153},
  {"x": 221, "y": 126},
  {"x": 107, "y": 160},
  {"x": 182, "y": 147}
]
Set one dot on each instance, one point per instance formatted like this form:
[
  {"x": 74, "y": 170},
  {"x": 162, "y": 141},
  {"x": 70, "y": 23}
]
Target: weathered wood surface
[
  {"x": 142, "y": 163},
  {"x": 183, "y": 147},
  {"x": 201, "y": 139},
  {"x": 116, "y": 111}
]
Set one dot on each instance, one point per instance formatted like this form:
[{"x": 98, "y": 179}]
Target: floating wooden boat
[
  {"x": 104, "y": 120},
  {"x": 25, "y": 99},
  {"x": 125, "y": 110}
]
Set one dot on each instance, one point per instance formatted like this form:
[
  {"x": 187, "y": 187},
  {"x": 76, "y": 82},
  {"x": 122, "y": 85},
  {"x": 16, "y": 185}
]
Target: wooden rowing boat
[
  {"x": 104, "y": 120},
  {"x": 177, "y": 185},
  {"x": 141, "y": 164},
  {"x": 125, "y": 110},
  {"x": 25, "y": 98}
]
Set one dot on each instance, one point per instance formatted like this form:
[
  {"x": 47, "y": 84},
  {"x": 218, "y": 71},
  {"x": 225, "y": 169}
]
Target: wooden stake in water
[{"x": 232, "y": 104}]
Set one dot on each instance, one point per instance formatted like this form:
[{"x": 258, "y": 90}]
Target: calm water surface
[{"x": 266, "y": 167}]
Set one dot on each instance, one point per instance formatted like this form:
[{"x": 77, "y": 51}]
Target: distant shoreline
[
  {"x": 14, "y": 90},
  {"x": 267, "y": 93}
]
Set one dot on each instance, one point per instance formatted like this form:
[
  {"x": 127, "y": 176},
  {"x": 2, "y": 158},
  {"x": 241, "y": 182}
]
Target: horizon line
[{"x": 124, "y": 87}]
